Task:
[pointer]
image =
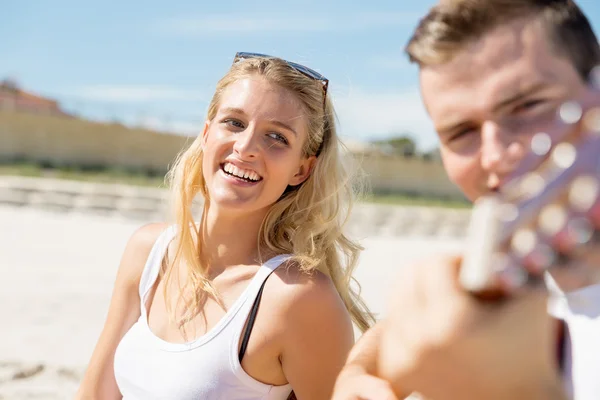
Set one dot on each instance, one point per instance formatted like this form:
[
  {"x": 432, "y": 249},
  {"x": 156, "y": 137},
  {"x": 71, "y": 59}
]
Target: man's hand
[
  {"x": 354, "y": 383},
  {"x": 444, "y": 343},
  {"x": 357, "y": 381}
]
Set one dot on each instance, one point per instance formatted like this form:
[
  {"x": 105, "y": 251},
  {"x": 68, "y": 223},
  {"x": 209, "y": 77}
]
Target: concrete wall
[
  {"x": 70, "y": 141},
  {"x": 412, "y": 176},
  {"x": 59, "y": 141}
]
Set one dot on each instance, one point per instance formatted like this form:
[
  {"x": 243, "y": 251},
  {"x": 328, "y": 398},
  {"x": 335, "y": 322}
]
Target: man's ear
[{"x": 304, "y": 170}]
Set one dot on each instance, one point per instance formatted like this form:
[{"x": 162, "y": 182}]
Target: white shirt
[
  {"x": 149, "y": 368},
  {"x": 580, "y": 309}
]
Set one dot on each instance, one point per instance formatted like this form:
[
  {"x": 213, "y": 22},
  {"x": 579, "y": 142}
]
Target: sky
[{"x": 156, "y": 63}]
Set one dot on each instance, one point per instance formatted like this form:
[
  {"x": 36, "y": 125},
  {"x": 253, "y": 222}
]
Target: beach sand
[{"x": 57, "y": 272}]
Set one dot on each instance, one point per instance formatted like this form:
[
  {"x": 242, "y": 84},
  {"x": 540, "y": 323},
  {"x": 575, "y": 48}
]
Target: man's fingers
[{"x": 365, "y": 387}]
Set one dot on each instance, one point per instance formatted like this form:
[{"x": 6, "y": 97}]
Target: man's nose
[{"x": 501, "y": 152}]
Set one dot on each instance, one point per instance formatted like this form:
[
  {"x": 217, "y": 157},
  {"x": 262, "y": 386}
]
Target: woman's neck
[{"x": 229, "y": 239}]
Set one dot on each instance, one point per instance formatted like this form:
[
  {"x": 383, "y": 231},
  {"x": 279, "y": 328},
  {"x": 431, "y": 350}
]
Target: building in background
[
  {"x": 33, "y": 130},
  {"x": 13, "y": 98}
]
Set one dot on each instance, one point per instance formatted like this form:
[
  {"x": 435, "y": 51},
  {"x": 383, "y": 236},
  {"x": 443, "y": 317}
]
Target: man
[{"x": 492, "y": 74}]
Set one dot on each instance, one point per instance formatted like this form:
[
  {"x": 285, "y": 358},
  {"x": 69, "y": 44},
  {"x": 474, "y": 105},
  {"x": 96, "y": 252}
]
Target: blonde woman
[{"x": 253, "y": 300}]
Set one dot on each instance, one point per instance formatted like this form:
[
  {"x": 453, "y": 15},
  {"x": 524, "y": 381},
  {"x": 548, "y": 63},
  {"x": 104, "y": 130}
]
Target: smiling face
[
  {"x": 490, "y": 100},
  {"x": 254, "y": 146}
]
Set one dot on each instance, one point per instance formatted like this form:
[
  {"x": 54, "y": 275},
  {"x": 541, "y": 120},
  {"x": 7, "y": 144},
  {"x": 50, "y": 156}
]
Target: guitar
[{"x": 547, "y": 215}]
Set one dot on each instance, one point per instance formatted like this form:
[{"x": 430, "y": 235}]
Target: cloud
[
  {"x": 134, "y": 94},
  {"x": 228, "y": 24},
  {"x": 367, "y": 115}
]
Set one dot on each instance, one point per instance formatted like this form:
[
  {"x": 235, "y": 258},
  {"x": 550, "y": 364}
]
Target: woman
[{"x": 184, "y": 321}]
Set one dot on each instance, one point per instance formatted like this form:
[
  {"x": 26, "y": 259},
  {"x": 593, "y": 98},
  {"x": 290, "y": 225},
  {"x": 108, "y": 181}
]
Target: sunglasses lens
[{"x": 307, "y": 71}]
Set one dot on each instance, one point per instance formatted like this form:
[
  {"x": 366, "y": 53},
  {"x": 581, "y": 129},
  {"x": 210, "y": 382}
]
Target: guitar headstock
[{"x": 547, "y": 213}]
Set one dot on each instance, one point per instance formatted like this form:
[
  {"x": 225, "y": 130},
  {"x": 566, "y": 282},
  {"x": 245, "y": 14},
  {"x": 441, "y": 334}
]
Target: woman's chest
[
  {"x": 146, "y": 367},
  {"x": 177, "y": 315}
]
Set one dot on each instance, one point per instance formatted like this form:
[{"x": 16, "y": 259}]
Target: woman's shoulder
[
  {"x": 143, "y": 238},
  {"x": 137, "y": 251},
  {"x": 309, "y": 315},
  {"x": 303, "y": 296},
  {"x": 292, "y": 281}
]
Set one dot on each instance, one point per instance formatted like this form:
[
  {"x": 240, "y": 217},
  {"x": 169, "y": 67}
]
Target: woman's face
[{"x": 253, "y": 147}]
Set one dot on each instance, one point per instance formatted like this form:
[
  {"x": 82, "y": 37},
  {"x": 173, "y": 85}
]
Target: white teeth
[{"x": 246, "y": 174}]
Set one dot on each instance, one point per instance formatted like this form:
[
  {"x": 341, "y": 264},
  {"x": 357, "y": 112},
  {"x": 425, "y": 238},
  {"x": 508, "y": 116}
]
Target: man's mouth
[{"x": 244, "y": 174}]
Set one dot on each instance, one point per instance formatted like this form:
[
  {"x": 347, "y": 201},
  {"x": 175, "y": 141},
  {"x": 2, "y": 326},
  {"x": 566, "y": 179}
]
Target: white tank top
[{"x": 149, "y": 368}]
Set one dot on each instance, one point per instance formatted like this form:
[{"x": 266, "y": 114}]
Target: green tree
[{"x": 403, "y": 145}]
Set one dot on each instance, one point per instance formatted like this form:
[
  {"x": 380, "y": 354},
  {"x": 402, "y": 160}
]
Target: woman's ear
[
  {"x": 205, "y": 132},
  {"x": 304, "y": 170}
]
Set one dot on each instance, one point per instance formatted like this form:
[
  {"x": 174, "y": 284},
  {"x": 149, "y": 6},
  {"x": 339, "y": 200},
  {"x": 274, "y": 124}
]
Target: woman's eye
[
  {"x": 279, "y": 137},
  {"x": 234, "y": 123}
]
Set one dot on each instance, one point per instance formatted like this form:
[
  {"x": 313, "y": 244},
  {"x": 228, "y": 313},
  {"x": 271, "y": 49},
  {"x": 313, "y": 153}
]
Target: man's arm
[
  {"x": 365, "y": 352},
  {"x": 446, "y": 344},
  {"x": 358, "y": 379}
]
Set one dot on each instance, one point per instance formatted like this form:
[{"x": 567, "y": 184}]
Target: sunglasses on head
[{"x": 311, "y": 73}]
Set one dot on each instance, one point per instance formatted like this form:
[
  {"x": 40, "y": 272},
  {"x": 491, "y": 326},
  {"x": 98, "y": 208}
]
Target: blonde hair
[
  {"x": 306, "y": 222},
  {"x": 453, "y": 24}
]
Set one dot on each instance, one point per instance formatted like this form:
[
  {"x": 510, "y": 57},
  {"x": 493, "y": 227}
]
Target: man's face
[{"x": 488, "y": 102}]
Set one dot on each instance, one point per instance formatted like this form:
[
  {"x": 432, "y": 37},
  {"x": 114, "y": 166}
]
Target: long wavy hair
[{"x": 306, "y": 222}]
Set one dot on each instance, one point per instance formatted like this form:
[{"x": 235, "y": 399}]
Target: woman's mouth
[{"x": 240, "y": 174}]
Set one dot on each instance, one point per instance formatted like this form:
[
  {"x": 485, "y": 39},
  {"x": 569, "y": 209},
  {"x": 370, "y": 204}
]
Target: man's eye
[
  {"x": 461, "y": 134},
  {"x": 528, "y": 105}
]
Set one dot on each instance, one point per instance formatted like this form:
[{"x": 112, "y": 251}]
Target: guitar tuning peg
[
  {"x": 591, "y": 120},
  {"x": 513, "y": 277},
  {"x": 523, "y": 242},
  {"x": 580, "y": 231},
  {"x": 532, "y": 184},
  {"x": 552, "y": 219},
  {"x": 541, "y": 143},
  {"x": 531, "y": 252},
  {"x": 564, "y": 155},
  {"x": 508, "y": 272},
  {"x": 584, "y": 192},
  {"x": 542, "y": 258},
  {"x": 570, "y": 112}
]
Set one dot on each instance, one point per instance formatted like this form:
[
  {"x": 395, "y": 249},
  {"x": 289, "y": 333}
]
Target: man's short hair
[{"x": 452, "y": 24}]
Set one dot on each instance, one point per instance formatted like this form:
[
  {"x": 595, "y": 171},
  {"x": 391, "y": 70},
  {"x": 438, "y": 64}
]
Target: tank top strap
[
  {"x": 266, "y": 269},
  {"x": 261, "y": 276},
  {"x": 154, "y": 263},
  {"x": 273, "y": 263},
  {"x": 250, "y": 297}
]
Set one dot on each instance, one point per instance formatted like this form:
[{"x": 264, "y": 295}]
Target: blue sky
[{"x": 157, "y": 62}]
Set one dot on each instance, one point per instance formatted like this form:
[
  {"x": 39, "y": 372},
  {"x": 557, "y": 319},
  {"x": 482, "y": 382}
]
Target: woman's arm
[
  {"x": 317, "y": 338},
  {"x": 99, "y": 381}
]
